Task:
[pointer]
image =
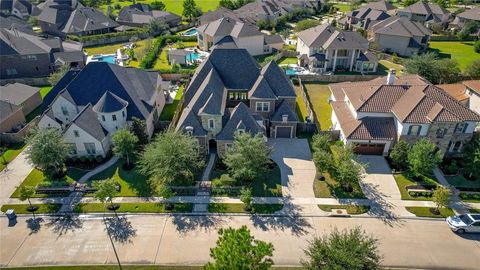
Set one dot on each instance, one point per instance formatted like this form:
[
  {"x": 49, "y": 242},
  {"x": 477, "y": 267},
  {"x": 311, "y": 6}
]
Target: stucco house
[
  {"x": 399, "y": 35},
  {"x": 90, "y": 105},
  {"x": 26, "y": 55},
  {"x": 376, "y": 114},
  {"x": 468, "y": 15},
  {"x": 426, "y": 13},
  {"x": 229, "y": 93},
  {"x": 324, "y": 48},
  {"x": 243, "y": 35},
  {"x": 25, "y": 96},
  {"x": 139, "y": 15}
]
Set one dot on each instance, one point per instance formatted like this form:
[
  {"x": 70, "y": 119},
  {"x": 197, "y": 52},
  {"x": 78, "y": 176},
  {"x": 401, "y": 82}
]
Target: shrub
[
  {"x": 227, "y": 180},
  {"x": 476, "y": 46}
]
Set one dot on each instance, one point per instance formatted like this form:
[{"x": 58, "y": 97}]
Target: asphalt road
[{"x": 409, "y": 243}]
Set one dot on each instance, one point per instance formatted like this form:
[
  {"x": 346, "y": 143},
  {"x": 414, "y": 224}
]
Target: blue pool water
[
  {"x": 193, "y": 56},
  {"x": 290, "y": 72},
  {"x": 190, "y": 32},
  {"x": 105, "y": 58}
]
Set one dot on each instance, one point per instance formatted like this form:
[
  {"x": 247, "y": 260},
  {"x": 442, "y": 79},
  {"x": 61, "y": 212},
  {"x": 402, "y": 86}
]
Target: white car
[{"x": 464, "y": 223}]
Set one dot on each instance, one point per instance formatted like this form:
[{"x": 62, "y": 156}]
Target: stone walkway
[{"x": 205, "y": 186}]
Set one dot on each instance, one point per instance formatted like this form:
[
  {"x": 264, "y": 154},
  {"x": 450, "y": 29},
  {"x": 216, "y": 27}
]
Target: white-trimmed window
[
  {"x": 114, "y": 117},
  {"x": 64, "y": 110},
  {"x": 461, "y": 128},
  {"x": 90, "y": 148},
  {"x": 211, "y": 123},
  {"x": 414, "y": 130},
  {"x": 76, "y": 134},
  {"x": 457, "y": 146},
  {"x": 262, "y": 106}
]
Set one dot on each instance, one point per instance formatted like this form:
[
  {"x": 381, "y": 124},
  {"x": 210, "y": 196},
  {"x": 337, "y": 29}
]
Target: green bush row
[
  {"x": 149, "y": 59},
  {"x": 105, "y": 36},
  {"x": 415, "y": 194}
]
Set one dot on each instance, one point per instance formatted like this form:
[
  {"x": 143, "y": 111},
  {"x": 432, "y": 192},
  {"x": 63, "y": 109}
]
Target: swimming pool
[
  {"x": 291, "y": 72},
  {"x": 193, "y": 56},
  {"x": 190, "y": 32},
  {"x": 104, "y": 58}
]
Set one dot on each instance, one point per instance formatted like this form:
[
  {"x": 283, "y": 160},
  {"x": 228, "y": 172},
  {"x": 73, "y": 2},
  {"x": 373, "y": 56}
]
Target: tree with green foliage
[
  {"x": 399, "y": 155},
  {"x": 26, "y": 193},
  {"x": 56, "y": 76},
  {"x": 47, "y": 150},
  {"x": 347, "y": 169},
  {"x": 472, "y": 70},
  {"x": 471, "y": 157},
  {"x": 248, "y": 157},
  {"x": 157, "y": 5},
  {"x": 226, "y": 4},
  {"x": 124, "y": 144},
  {"x": 156, "y": 27},
  {"x": 423, "y": 157},
  {"x": 441, "y": 197},
  {"x": 139, "y": 128},
  {"x": 306, "y": 24},
  {"x": 322, "y": 156},
  {"x": 476, "y": 46},
  {"x": 246, "y": 198},
  {"x": 238, "y": 249},
  {"x": 433, "y": 69},
  {"x": 469, "y": 28},
  {"x": 105, "y": 190},
  {"x": 444, "y": 3},
  {"x": 190, "y": 9},
  {"x": 171, "y": 159},
  {"x": 353, "y": 249},
  {"x": 407, "y": 3}
]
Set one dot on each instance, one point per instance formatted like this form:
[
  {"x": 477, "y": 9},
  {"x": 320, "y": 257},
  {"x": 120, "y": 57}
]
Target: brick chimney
[{"x": 391, "y": 77}]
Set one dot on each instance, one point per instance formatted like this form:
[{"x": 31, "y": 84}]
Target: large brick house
[
  {"x": 229, "y": 93},
  {"x": 375, "y": 114}
]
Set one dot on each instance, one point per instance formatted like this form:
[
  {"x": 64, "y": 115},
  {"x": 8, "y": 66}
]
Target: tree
[
  {"x": 305, "y": 24},
  {"x": 322, "y": 157},
  {"x": 190, "y": 9},
  {"x": 26, "y": 192},
  {"x": 469, "y": 28},
  {"x": 443, "y": 3},
  {"x": 32, "y": 21},
  {"x": 423, "y": 157},
  {"x": 48, "y": 151},
  {"x": 56, "y": 76},
  {"x": 399, "y": 155},
  {"x": 352, "y": 249},
  {"x": 124, "y": 144},
  {"x": 471, "y": 157},
  {"x": 441, "y": 197},
  {"x": 434, "y": 70},
  {"x": 106, "y": 190},
  {"x": 155, "y": 27},
  {"x": 476, "y": 46},
  {"x": 347, "y": 171},
  {"x": 109, "y": 12},
  {"x": 171, "y": 159},
  {"x": 139, "y": 128},
  {"x": 157, "y": 5},
  {"x": 226, "y": 4},
  {"x": 407, "y": 3},
  {"x": 248, "y": 157},
  {"x": 246, "y": 198},
  {"x": 472, "y": 69},
  {"x": 238, "y": 249}
]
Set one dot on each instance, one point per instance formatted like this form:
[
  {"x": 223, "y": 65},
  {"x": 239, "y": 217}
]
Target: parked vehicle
[{"x": 464, "y": 223}]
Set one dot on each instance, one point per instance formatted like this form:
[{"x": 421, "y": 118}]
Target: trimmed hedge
[
  {"x": 148, "y": 60},
  {"x": 105, "y": 36},
  {"x": 415, "y": 194}
]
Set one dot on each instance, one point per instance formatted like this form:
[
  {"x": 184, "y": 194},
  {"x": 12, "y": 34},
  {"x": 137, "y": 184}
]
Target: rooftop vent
[{"x": 391, "y": 76}]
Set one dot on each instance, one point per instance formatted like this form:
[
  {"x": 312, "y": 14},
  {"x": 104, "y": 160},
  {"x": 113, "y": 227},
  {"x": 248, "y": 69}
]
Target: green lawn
[
  {"x": 301, "y": 106},
  {"x": 169, "y": 109},
  {"x": 239, "y": 208},
  {"x": 287, "y": 60},
  {"x": 460, "y": 181},
  {"x": 425, "y": 212},
  {"x": 162, "y": 60},
  {"x": 351, "y": 209},
  {"x": 461, "y": 51},
  {"x": 135, "y": 208},
  {"x": 330, "y": 188},
  {"x": 343, "y": 7},
  {"x": 318, "y": 94},
  {"x": 132, "y": 182},
  {"x": 404, "y": 179},
  {"x": 385, "y": 65},
  {"x": 174, "y": 6},
  {"x": 142, "y": 48},
  {"x": 36, "y": 177},
  {"x": 42, "y": 208},
  {"x": 45, "y": 90},
  {"x": 10, "y": 153}
]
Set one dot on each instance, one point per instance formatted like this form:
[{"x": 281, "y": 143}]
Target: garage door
[
  {"x": 284, "y": 132},
  {"x": 370, "y": 149}
]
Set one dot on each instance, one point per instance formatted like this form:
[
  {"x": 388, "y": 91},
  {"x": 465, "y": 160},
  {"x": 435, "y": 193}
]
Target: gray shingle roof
[
  {"x": 87, "y": 120},
  {"x": 425, "y": 8},
  {"x": 261, "y": 90},
  {"x": 87, "y": 19},
  {"x": 471, "y": 14},
  {"x": 143, "y": 14},
  {"x": 380, "y": 5},
  {"x": 400, "y": 26},
  {"x": 109, "y": 103},
  {"x": 17, "y": 93},
  {"x": 228, "y": 26},
  {"x": 7, "y": 109},
  {"x": 277, "y": 80},
  {"x": 284, "y": 109},
  {"x": 240, "y": 117},
  {"x": 328, "y": 37}
]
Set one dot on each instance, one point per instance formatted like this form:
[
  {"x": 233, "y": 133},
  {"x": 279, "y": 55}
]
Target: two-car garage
[
  {"x": 284, "y": 132},
  {"x": 369, "y": 148}
]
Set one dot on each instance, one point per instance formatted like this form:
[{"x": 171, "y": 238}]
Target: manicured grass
[
  {"x": 351, "y": 209},
  {"x": 239, "y": 208},
  {"x": 318, "y": 94},
  {"x": 135, "y": 208},
  {"x": 461, "y": 51},
  {"x": 174, "y": 6},
  {"x": 169, "y": 109},
  {"x": 287, "y": 60},
  {"x": 425, "y": 212},
  {"x": 45, "y": 90},
  {"x": 301, "y": 106},
  {"x": 385, "y": 65},
  {"x": 132, "y": 182},
  {"x": 404, "y": 179},
  {"x": 36, "y": 177},
  {"x": 343, "y": 7},
  {"x": 469, "y": 197},
  {"x": 11, "y": 152},
  {"x": 162, "y": 60},
  {"x": 331, "y": 188},
  {"x": 460, "y": 181},
  {"x": 141, "y": 49},
  {"x": 42, "y": 208}
]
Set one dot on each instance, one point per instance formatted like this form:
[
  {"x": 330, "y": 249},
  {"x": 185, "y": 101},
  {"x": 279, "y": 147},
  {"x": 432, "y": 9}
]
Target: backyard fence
[
  {"x": 42, "y": 81},
  {"x": 335, "y": 78},
  {"x": 19, "y": 136},
  {"x": 308, "y": 105}
]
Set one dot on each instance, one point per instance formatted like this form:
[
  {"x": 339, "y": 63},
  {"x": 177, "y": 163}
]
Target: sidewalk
[{"x": 13, "y": 175}]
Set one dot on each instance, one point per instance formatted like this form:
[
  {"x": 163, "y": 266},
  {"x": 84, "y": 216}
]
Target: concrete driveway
[
  {"x": 294, "y": 158},
  {"x": 379, "y": 186}
]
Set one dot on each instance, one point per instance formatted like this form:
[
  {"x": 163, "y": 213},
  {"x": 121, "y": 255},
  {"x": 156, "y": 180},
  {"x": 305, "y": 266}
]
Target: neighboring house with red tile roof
[
  {"x": 467, "y": 92},
  {"x": 377, "y": 113}
]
